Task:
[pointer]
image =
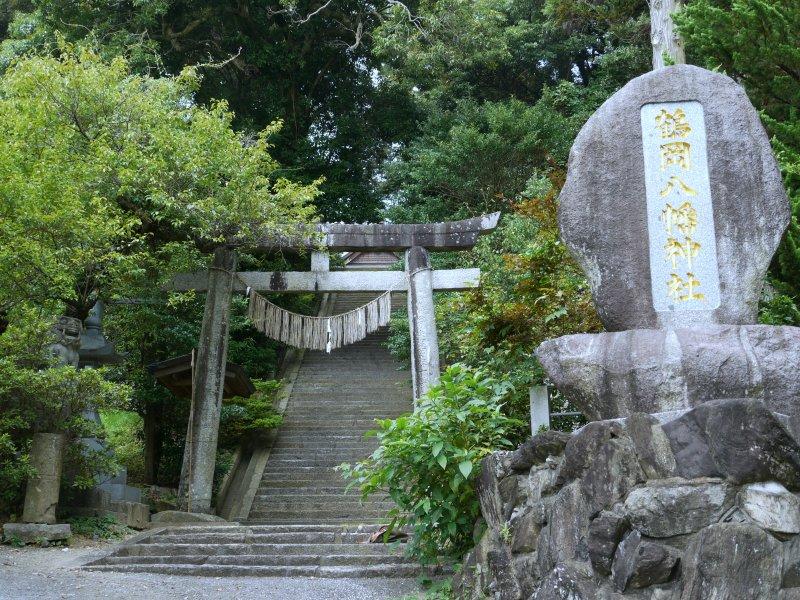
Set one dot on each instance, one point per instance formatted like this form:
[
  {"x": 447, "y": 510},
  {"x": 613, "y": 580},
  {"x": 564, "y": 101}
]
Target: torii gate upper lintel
[{"x": 221, "y": 280}]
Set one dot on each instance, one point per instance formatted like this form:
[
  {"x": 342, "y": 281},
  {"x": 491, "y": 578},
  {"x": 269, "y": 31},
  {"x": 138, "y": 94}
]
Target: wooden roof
[{"x": 176, "y": 375}]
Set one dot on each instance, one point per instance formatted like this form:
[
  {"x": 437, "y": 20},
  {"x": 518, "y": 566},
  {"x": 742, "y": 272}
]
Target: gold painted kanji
[
  {"x": 672, "y": 124},
  {"x": 674, "y": 183},
  {"x": 681, "y": 290},
  {"x": 676, "y": 153},
  {"x": 681, "y": 249},
  {"x": 683, "y": 218},
  {"x": 679, "y": 218}
]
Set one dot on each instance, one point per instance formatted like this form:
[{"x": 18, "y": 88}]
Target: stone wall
[{"x": 693, "y": 505}]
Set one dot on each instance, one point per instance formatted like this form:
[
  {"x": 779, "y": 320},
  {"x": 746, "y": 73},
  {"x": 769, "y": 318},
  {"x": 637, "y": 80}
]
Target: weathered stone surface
[
  {"x": 604, "y": 221},
  {"x": 605, "y": 533},
  {"x": 771, "y": 506},
  {"x": 525, "y": 526},
  {"x": 507, "y": 489},
  {"x": 568, "y": 581},
  {"x": 542, "y": 479},
  {"x": 732, "y": 560},
  {"x": 666, "y": 508},
  {"x": 493, "y": 471},
  {"x": 652, "y": 446},
  {"x": 791, "y": 564},
  {"x": 527, "y": 570},
  {"x": 615, "y": 374},
  {"x": 179, "y": 517},
  {"x": 538, "y": 448},
  {"x": 640, "y": 563},
  {"x": 602, "y": 455},
  {"x": 738, "y": 439},
  {"x": 564, "y": 536},
  {"x": 35, "y": 533},
  {"x": 41, "y": 493}
]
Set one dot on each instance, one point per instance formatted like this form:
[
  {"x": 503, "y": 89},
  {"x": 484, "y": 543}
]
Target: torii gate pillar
[
  {"x": 422, "y": 321},
  {"x": 208, "y": 387}
]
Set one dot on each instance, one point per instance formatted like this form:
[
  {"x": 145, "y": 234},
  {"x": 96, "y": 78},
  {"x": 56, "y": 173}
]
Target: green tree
[
  {"x": 756, "y": 42},
  {"x": 306, "y": 62},
  {"x": 111, "y": 181}
]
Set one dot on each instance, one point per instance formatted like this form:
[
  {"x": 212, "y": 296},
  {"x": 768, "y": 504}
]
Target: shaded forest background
[{"x": 417, "y": 111}]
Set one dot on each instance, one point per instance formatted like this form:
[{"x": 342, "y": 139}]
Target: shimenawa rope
[{"x": 318, "y": 333}]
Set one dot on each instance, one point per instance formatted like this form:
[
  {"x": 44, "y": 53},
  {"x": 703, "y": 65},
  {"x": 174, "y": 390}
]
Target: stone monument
[
  {"x": 690, "y": 487},
  {"x": 674, "y": 207}
]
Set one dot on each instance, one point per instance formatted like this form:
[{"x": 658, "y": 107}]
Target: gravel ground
[{"x": 50, "y": 573}]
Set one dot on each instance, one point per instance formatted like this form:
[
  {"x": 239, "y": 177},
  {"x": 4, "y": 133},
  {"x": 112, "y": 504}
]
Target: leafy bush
[
  {"x": 253, "y": 415},
  {"x": 427, "y": 461},
  {"x": 14, "y": 471},
  {"x": 104, "y": 528},
  {"x": 124, "y": 436}
]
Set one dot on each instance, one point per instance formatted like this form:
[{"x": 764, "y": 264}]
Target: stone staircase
[
  {"x": 260, "y": 551},
  {"x": 303, "y": 521},
  {"x": 335, "y": 400}
]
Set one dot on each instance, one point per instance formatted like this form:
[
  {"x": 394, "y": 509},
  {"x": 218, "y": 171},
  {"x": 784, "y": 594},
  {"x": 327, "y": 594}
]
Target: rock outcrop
[{"x": 620, "y": 510}]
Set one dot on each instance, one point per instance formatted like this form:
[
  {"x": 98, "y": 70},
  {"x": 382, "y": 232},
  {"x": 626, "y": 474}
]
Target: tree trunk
[{"x": 664, "y": 37}]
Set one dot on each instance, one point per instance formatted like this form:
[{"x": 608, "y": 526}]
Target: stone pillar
[
  {"x": 41, "y": 495},
  {"x": 422, "y": 321},
  {"x": 200, "y": 451}
]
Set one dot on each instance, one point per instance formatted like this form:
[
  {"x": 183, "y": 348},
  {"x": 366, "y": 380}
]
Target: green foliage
[
  {"x": 428, "y": 461},
  {"x": 756, "y": 42},
  {"x": 14, "y": 469},
  {"x": 242, "y": 417},
  {"x": 310, "y": 65},
  {"x": 124, "y": 437},
  {"x": 141, "y": 173},
  {"x": 37, "y": 396},
  {"x": 103, "y": 528}
]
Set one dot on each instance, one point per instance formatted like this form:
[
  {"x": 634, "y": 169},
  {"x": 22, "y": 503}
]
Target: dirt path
[{"x": 53, "y": 573}]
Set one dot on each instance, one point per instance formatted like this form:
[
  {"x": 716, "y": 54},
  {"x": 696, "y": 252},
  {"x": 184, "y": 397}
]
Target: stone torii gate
[{"x": 221, "y": 280}]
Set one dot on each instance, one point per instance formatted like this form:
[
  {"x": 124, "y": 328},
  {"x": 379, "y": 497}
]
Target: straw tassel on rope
[{"x": 318, "y": 333}]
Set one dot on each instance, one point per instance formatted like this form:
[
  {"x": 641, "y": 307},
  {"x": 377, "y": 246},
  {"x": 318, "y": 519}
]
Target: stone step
[
  {"x": 325, "y": 560},
  {"x": 327, "y": 491},
  {"x": 304, "y": 504},
  {"x": 263, "y": 529},
  {"x": 314, "y": 459},
  {"x": 287, "y": 537},
  {"x": 311, "y": 461},
  {"x": 275, "y": 549},
  {"x": 328, "y": 476},
  {"x": 293, "y": 520},
  {"x": 358, "y": 515},
  {"x": 329, "y": 442},
  {"x": 358, "y": 571}
]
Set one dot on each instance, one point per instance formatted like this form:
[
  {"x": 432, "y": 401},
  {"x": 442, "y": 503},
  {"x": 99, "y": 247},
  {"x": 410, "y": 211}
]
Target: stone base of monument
[
  {"x": 36, "y": 533},
  {"x": 699, "y": 505},
  {"x": 613, "y": 374}
]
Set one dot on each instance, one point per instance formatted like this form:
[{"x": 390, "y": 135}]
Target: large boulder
[
  {"x": 666, "y": 508},
  {"x": 605, "y": 533},
  {"x": 564, "y": 538},
  {"x": 737, "y": 439},
  {"x": 640, "y": 563},
  {"x": 615, "y": 374},
  {"x": 602, "y": 456},
  {"x": 728, "y": 561},
  {"x": 604, "y": 220},
  {"x": 772, "y": 506}
]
